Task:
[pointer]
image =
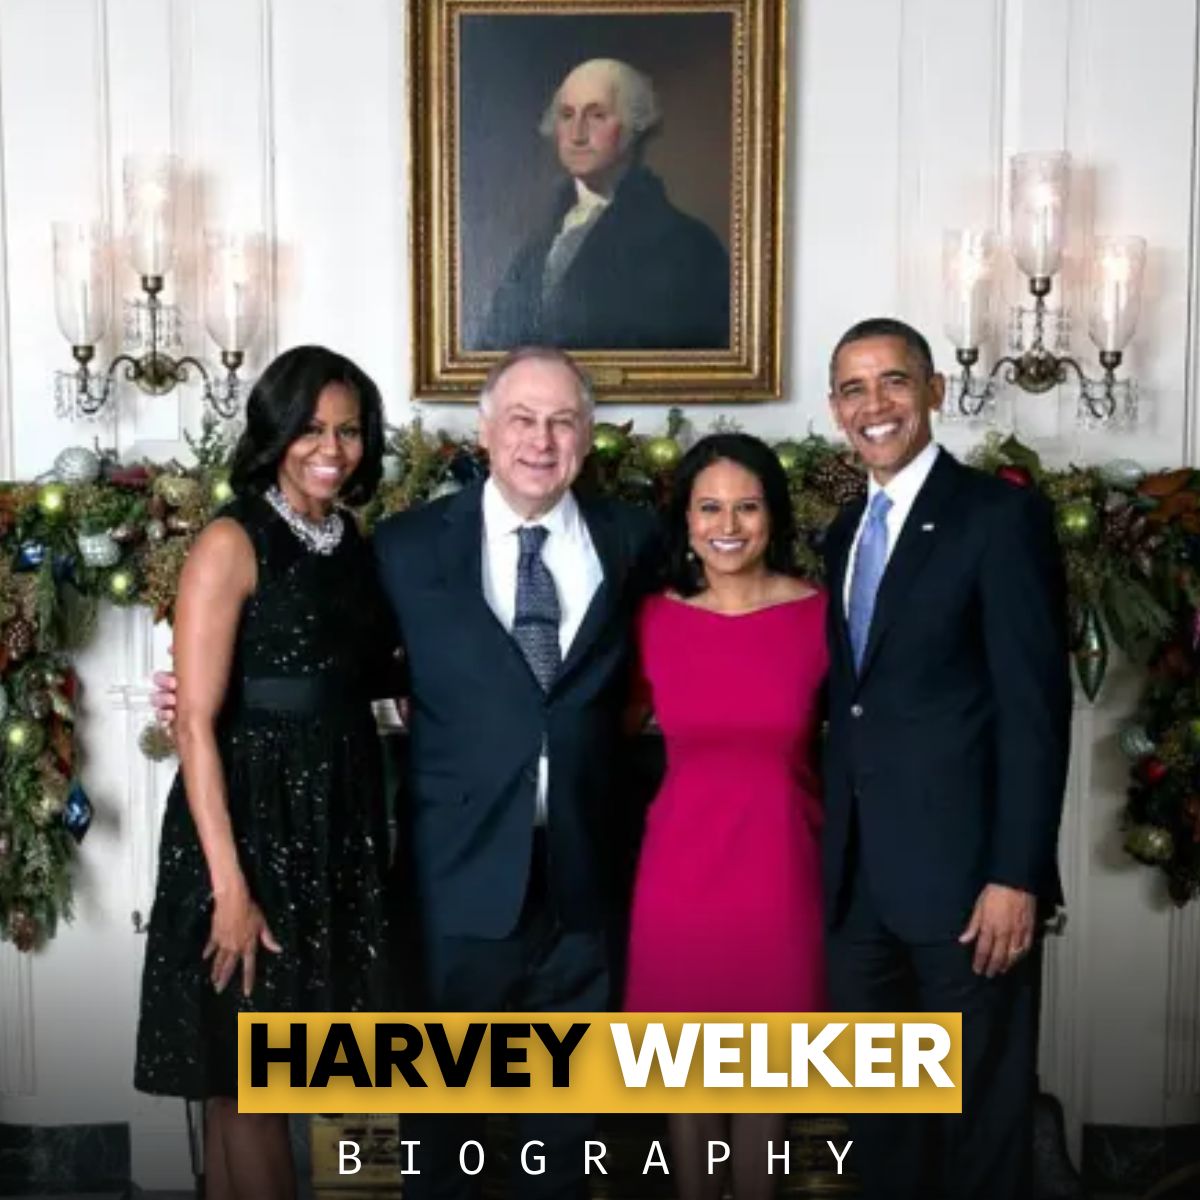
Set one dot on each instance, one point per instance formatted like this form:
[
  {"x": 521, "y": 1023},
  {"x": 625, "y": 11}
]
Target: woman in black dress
[{"x": 272, "y": 865}]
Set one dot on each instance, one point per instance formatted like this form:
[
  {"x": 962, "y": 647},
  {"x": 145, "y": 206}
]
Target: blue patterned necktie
[
  {"x": 869, "y": 563},
  {"x": 535, "y": 624}
]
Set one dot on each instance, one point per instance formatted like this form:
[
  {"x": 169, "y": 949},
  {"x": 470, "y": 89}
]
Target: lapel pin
[{"x": 927, "y": 527}]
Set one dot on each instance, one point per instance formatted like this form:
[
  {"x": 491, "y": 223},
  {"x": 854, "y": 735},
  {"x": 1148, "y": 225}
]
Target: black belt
[{"x": 306, "y": 695}]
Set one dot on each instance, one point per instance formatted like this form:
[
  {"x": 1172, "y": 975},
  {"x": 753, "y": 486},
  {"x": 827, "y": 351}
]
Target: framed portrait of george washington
[{"x": 603, "y": 177}]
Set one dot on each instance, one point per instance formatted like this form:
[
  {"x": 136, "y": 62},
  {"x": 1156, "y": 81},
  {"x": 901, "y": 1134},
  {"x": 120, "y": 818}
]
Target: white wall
[{"x": 290, "y": 114}]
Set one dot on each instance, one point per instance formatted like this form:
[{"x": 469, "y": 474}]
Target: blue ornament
[
  {"x": 77, "y": 812},
  {"x": 30, "y": 555},
  {"x": 466, "y": 468},
  {"x": 63, "y": 568}
]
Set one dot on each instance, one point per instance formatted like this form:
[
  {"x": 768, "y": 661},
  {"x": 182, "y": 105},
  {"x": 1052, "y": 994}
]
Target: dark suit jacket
[
  {"x": 647, "y": 277},
  {"x": 478, "y": 719},
  {"x": 950, "y": 750}
]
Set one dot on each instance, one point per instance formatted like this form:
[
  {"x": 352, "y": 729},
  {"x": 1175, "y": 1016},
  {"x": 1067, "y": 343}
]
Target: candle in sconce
[
  {"x": 235, "y": 288},
  {"x": 151, "y": 231},
  {"x": 81, "y": 262},
  {"x": 1045, "y": 211},
  {"x": 1114, "y": 299},
  {"x": 972, "y": 275}
]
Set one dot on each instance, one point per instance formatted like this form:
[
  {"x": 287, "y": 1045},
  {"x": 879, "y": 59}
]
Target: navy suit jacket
[
  {"x": 479, "y": 717},
  {"x": 647, "y": 277},
  {"x": 949, "y": 749}
]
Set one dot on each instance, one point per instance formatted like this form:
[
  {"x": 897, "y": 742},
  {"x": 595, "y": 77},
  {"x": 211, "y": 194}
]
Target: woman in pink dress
[{"x": 727, "y": 900}]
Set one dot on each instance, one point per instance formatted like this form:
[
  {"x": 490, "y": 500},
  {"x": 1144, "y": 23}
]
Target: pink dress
[{"x": 727, "y": 912}]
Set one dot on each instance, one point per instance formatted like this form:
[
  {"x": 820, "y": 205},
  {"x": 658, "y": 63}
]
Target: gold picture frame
[{"x": 639, "y": 304}]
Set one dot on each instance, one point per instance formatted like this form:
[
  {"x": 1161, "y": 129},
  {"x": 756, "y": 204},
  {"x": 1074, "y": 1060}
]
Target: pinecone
[
  {"x": 1122, "y": 528},
  {"x": 19, "y": 637},
  {"x": 22, "y": 929},
  {"x": 837, "y": 480}
]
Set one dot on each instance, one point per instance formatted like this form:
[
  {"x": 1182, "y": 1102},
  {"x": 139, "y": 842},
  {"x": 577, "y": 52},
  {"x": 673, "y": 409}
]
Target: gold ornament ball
[
  {"x": 156, "y": 742},
  {"x": 663, "y": 453},
  {"x": 49, "y": 806},
  {"x": 176, "y": 490},
  {"x": 52, "y": 500}
]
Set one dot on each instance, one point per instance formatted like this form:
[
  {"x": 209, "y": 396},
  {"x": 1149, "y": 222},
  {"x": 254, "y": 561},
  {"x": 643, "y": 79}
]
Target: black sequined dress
[{"x": 305, "y": 789}]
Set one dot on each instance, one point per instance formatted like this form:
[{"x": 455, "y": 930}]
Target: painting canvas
[{"x": 583, "y": 180}]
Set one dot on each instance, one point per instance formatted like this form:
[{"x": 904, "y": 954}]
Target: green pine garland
[{"x": 1131, "y": 545}]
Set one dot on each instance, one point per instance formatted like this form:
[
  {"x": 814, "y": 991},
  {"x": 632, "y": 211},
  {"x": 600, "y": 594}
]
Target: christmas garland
[{"x": 99, "y": 530}]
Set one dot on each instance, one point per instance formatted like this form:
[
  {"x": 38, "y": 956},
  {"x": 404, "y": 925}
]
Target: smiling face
[
  {"x": 537, "y": 432},
  {"x": 883, "y": 400},
  {"x": 728, "y": 524},
  {"x": 326, "y": 454},
  {"x": 591, "y": 139}
]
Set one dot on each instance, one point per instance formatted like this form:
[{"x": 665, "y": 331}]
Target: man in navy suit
[
  {"x": 513, "y": 600},
  {"x": 946, "y": 762}
]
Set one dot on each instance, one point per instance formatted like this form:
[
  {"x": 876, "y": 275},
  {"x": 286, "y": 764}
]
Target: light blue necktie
[{"x": 869, "y": 564}]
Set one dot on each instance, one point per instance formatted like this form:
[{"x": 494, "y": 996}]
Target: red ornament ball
[
  {"x": 1017, "y": 476},
  {"x": 1152, "y": 770}
]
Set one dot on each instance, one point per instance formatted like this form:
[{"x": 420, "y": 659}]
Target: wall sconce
[
  {"x": 1038, "y": 201},
  {"x": 83, "y": 272}
]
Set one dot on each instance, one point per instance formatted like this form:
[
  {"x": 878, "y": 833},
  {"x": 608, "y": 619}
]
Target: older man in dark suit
[
  {"x": 946, "y": 761},
  {"x": 618, "y": 266},
  {"x": 513, "y": 600}
]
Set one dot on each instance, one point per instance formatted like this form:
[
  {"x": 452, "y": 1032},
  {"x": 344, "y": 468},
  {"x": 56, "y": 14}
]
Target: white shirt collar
[
  {"x": 903, "y": 487},
  {"x": 586, "y": 198},
  {"x": 500, "y": 521}
]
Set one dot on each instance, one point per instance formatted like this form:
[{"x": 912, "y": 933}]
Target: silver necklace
[{"x": 321, "y": 537}]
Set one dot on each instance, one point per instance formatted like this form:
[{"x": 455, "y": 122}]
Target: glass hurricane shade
[
  {"x": 1038, "y": 209},
  {"x": 968, "y": 261},
  {"x": 150, "y": 190},
  {"x": 233, "y": 274},
  {"x": 82, "y": 281},
  {"x": 1115, "y": 290}
]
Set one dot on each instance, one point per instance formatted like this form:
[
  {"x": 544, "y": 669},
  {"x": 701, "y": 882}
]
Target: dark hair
[
  {"x": 888, "y": 327},
  {"x": 280, "y": 406},
  {"x": 683, "y": 574}
]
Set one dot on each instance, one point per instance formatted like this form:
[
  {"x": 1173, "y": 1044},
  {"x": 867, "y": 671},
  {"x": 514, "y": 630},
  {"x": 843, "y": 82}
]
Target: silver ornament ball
[{"x": 77, "y": 464}]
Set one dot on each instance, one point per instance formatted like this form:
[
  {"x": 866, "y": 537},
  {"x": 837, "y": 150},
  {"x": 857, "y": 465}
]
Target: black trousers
[
  {"x": 986, "y": 1153},
  {"x": 540, "y": 967}
]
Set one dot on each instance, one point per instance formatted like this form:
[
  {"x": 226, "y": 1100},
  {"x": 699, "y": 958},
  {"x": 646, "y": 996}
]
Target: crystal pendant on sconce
[
  {"x": 136, "y": 325},
  {"x": 1096, "y": 398}
]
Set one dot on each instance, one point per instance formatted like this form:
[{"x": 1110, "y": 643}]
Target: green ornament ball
[
  {"x": 1150, "y": 843},
  {"x": 1077, "y": 521},
  {"x": 52, "y": 501},
  {"x": 609, "y": 441},
  {"x": 23, "y": 739},
  {"x": 663, "y": 453},
  {"x": 788, "y": 453},
  {"x": 221, "y": 490},
  {"x": 121, "y": 586}
]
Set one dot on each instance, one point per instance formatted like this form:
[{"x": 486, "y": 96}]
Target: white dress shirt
[
  {"x": 571, "y": 560},
  {"x": 902, "y": 491}
]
